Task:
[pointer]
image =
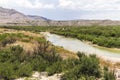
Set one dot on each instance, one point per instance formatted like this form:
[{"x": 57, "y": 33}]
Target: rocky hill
[
  {"x": 34, "y": 17},
  {"x": 11, "y": 17}
]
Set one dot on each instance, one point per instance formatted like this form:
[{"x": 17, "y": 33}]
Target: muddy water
[{"x": 77, "y": 45}]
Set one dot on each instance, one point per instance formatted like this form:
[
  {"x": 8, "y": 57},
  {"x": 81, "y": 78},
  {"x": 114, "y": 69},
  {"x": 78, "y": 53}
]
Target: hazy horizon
[{"x": 67, "y": 9}]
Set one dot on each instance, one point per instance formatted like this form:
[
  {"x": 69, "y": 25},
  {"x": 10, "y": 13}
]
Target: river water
[{"x": 76, "y": 45}]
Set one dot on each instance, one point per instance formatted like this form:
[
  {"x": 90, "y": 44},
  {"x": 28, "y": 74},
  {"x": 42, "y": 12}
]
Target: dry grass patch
[
  {"x": 65, "y": 54},
  {"x": 29, "y": 48}
]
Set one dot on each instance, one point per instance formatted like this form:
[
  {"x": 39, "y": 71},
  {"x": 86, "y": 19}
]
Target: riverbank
[
  {"x": 115, "y": 50},
  {"x": 76, "y": 45}
]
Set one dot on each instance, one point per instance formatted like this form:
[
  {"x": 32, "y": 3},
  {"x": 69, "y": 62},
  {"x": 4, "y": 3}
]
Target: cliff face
[{"x": 11, "y": 17}]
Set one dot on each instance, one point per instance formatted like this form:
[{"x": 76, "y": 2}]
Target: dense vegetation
[
  {"x": 108, "y": 36},
  {"x": 15, "y": 62}
]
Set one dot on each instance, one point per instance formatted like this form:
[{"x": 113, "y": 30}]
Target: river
[{"x": 76, "y": 45}]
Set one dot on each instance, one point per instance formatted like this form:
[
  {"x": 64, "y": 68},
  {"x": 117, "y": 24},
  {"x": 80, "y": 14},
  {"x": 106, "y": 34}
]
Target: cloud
[
  {"x": 63, "y": 4},
  {"x": 90, "y": 4},
  {"x": 36, "y": 4},
  {"x": 113, "y": 15}
]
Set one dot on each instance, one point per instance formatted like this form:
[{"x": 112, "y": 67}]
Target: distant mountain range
[{"x": 11, "y": 17}]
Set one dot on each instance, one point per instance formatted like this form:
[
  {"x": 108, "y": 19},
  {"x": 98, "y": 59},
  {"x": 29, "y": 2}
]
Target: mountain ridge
[
  {"x": 11, "y": 17},
  {"x": 36, "y": 17}
]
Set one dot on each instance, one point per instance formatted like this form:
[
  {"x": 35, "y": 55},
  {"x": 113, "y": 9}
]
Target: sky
[{"x": 67, "y": 9}]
